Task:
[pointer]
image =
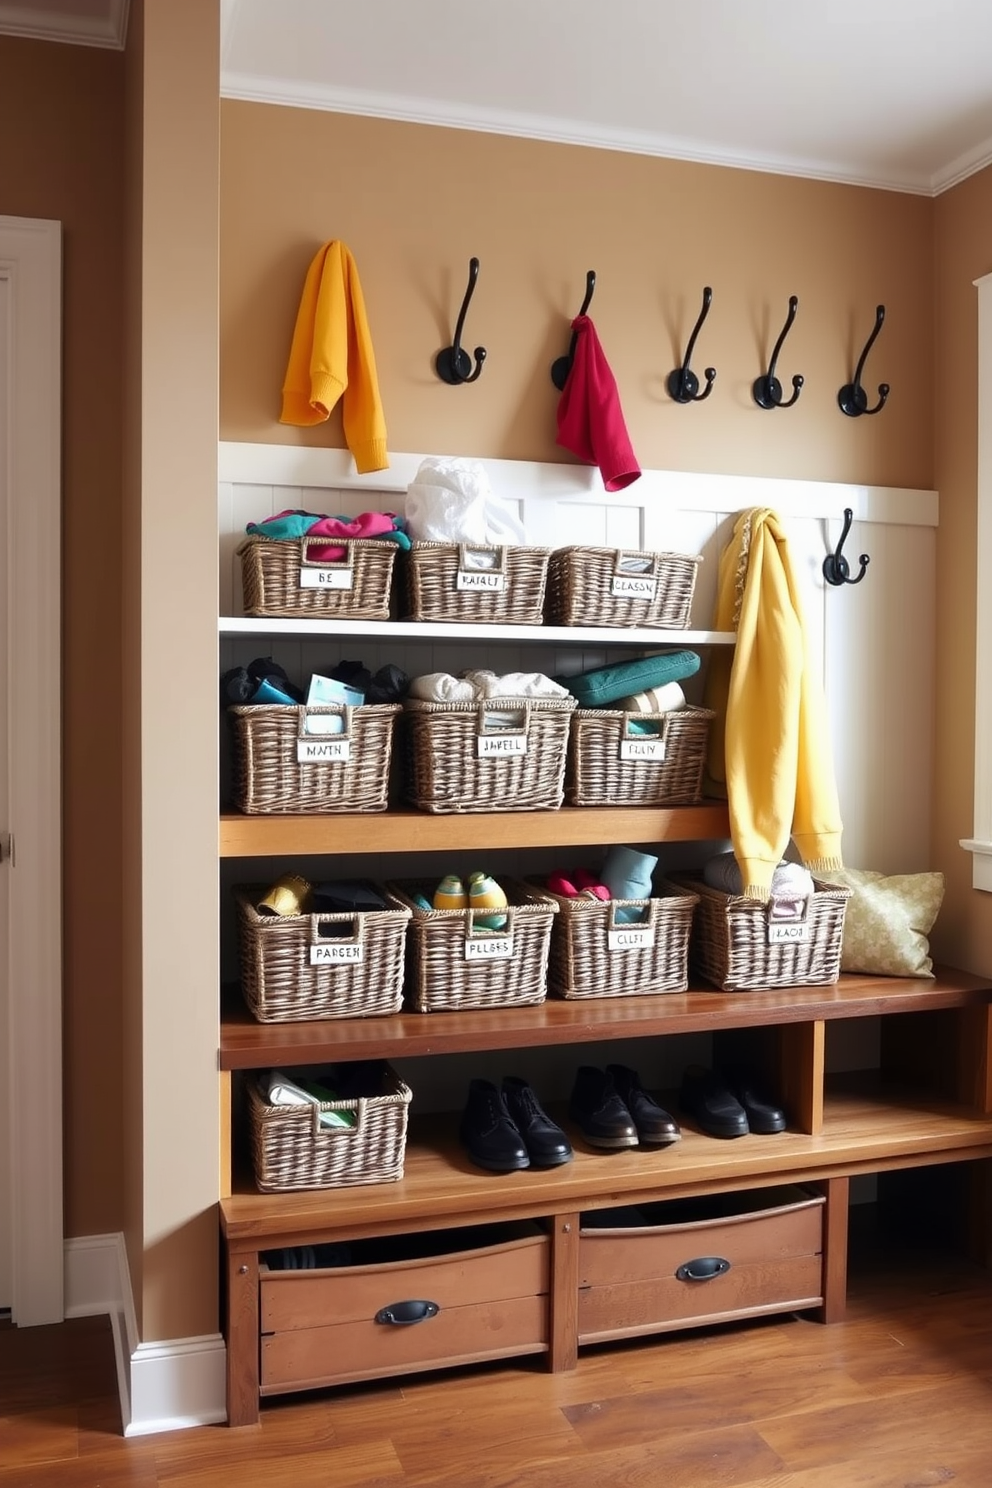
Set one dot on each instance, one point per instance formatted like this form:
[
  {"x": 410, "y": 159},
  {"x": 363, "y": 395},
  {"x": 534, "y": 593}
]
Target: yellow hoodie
[
  {"x": 331, "y": 355},
  {"x": 769, "y": 750}
]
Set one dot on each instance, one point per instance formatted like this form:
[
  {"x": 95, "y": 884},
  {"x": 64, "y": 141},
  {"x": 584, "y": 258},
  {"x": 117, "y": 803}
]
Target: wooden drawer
[
  {"x": 630, "y": 1260},
  {"x": 489, "y": 1300}
]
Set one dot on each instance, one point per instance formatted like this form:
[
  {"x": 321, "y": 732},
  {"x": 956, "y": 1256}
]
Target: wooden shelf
[
  {"x": 247, "y": 1044},
  {"x": 866, "y": 1130},
  {"x": 638, "y": 637},
  {"x": 411, "y": 831}
]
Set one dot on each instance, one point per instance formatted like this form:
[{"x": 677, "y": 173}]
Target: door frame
[{"x": 31, "y": 263}]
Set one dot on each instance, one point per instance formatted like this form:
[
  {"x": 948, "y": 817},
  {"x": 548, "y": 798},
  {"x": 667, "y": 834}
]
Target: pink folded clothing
[{"x": 292, "y": 524}]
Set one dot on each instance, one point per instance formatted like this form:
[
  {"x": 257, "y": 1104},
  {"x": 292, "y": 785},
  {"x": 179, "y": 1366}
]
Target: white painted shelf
[{"x": 577, "y": 635}]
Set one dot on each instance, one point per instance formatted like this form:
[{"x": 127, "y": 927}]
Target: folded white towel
[
  {"x": 514, "y": 684},
  {"x": 441, "y": 687}
]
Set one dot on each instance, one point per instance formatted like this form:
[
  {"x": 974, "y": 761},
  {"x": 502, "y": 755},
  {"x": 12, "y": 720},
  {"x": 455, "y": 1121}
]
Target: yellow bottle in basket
[
  {"x": 485, "y": 893},
  {"x": 450, "y": 893}
]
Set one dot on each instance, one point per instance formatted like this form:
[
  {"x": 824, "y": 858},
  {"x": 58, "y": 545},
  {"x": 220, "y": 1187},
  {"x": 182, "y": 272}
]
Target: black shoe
[
  {"x": 764, "y": 1115},
  {"x": 547, "y": 1145},
  {"x": 599, "y": 1111},
  {"x": 715, "y": 1109},
  {"x": 655, "y": 1127},
  {"x": 487, "y": 1132}
]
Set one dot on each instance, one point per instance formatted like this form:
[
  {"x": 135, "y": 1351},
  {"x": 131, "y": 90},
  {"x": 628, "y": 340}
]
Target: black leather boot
[
  {"x": 655, "y": 1127},
  {"x": 715, "y": 1109},
  {"x": 487, "y": 1132},
  {"x": 546, "y": 1143},
  {"x": 600, "y": 1113}
]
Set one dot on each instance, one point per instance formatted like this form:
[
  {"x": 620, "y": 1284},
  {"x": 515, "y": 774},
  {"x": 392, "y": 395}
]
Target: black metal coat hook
[
  {"x": 767, "y": 390},
  {"x": 683, "y": 384},
  {"x": 454, "y": 365},
  {"x": 836, "y": 569},
  {"x": 562, "y": 365},
  {"x": 852, "y": 397}
]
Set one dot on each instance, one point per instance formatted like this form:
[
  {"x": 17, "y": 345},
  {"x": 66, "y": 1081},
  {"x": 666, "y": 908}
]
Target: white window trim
[{"x": 980, "y": 844}]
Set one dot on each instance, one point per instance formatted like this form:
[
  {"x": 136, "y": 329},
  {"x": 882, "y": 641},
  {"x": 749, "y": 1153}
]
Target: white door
[{"x": 31, "y": 1231}]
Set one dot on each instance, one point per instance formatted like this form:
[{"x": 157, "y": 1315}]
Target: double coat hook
[
  {"x": 836, "y": 569},
  {"x": 767, "y": 390},
  {"x": 562, "y": 366},
  {"x": 683, "y": 384},
  {"x": 454, "y": 365},
  {"x": 852, "y": 397}
]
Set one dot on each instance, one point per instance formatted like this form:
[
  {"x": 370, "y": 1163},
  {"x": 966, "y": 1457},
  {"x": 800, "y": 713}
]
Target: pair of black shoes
[
  {"x": 729, "y": 1105},
  {"x": 612, "y": 1109},
  {"x": 507, "y": 1129}
]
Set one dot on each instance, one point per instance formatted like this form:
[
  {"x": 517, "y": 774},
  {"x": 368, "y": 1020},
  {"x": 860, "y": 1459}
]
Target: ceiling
[{"x": 889, "y": 93}]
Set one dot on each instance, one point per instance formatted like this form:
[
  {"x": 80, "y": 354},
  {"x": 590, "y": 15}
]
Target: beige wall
[
  {"x": 415, "y": 202},
  {"x": 61, "y": 112},
  {"x": 963, "y": 252}
]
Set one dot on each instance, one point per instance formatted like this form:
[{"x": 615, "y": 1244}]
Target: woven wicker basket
[
  {"x": 594, "y": 956},
  {"x": 308, "y": 966},
  {"x": 453, "y": 965},
  {"x": 446, "y": 769},
  {"x": 590, "y": 586},
  {"x": 608, "y": 765},
  {"x": 438, "y": 579},
  {"x": 348, "y": 771},
  {"x": 730, "y": 943},
  {"x": 291, "y": 1151},
  {"x": 278, "y": 577}
]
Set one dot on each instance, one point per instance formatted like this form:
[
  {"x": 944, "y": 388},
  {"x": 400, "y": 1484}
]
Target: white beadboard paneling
[{"x": 874, "y": 648}]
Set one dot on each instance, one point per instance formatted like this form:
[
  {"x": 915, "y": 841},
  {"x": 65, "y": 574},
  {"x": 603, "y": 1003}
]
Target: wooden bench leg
[
  {"x": 242, "y": 1337},
  {"x": 564, "y": 1346},
  {"x": 835, "y": 1221}
]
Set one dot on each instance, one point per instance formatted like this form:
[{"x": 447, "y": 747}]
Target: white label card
[
  {"x": 643, "y": 749},
  {"x": 493, "y": 744},
  {"x": 630, "y": 938},
  {"x": 344, "y": 950},
  {"x": 326, "y": 578},
  {"x": 633, "y": 586},
  {"x": 784, "y": 934},
  {"x": 489, "y": 948},
  {"x": 326, "y": 750},
  {"x": 471, "y": 579}
]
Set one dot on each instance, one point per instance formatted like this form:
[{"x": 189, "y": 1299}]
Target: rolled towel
[
  {"x": 627, "y": 874},
  {"x": 663, "y": 699},
  {"x": 442, "y": 687}
]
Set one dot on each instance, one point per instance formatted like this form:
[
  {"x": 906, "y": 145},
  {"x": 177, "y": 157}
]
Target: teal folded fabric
[{"x": 604, "y": 685}]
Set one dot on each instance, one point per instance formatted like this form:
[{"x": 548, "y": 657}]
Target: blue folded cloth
[{"x": 607, "y": 684}]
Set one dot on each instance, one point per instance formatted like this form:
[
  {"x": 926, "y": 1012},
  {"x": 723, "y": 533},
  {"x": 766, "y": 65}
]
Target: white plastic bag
[{"x": 451, "y": 500}]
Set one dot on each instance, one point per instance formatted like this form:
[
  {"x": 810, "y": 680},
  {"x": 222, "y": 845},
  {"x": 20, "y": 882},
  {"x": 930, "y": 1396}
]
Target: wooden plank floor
[{"x": 897, "y": 1396}]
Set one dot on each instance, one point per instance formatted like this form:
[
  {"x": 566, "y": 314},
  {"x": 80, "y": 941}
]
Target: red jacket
[{"x": 590, "y": 419}]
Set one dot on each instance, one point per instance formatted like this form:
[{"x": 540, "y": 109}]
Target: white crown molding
[
  {"x": 249, "y": 88},
  {"x": 106, "y": 28},
  {"x": 968, "y": 164}
]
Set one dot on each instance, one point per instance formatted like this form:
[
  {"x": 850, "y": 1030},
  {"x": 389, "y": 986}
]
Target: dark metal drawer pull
[
  {"x": 703, "y": 1268},
  {"x": 403, "y": 1313}
]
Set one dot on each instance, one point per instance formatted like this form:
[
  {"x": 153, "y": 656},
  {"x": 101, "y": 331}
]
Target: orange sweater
[{"x": 332, "y": 355}]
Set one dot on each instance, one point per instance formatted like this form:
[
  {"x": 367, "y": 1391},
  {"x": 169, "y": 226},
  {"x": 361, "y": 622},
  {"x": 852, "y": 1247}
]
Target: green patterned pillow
[{"x": 887, "y": 921}]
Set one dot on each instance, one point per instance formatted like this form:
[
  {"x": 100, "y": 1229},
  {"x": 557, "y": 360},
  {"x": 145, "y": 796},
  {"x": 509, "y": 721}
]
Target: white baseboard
[{"x": 164, "y": 1386}]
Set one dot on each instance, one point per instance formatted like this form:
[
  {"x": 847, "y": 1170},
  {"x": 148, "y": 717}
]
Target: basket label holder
[
  {"x": 493, "y": 741},
  {"x": 788, "y": 921},
  {"x": 631, "y": 580},
  {"x": 485, "y": 944},
  {"x": 315, "y": 575},
  {"x": 323, "y": 749},
  {"x": 338, "y": 950},
  {"x": 634, "y": 935},
  {"x": 481, "y": 569},
  {"x": 644, "y": 748}
]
